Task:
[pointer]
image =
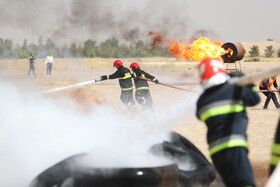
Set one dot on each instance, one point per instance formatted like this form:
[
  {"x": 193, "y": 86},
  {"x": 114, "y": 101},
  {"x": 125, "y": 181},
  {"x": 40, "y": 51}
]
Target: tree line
[
  {"x": 268, "y": 53},
  {"x": 110, "y": 48}
]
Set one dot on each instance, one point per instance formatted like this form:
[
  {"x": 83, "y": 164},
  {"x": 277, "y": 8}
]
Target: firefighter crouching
[
  {"x": 222, "y": 107},
  {"x": 124, "y": 76},
  {"x": 142, "y": 93},
  {"x": 266, "y": 84}
]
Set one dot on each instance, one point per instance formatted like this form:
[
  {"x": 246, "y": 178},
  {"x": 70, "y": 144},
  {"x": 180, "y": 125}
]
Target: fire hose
[
  {"x": 240, "y": 81},
  {"x": 168, "y": 85},
  {"x": 268, "y": 90}
]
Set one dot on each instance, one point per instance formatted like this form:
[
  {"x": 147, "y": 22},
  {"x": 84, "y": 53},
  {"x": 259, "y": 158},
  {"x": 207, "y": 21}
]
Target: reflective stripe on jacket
[
  {"x": 267, "y": 83},
  {"x": 234, "y": 140},
  {"x": 141, "y": 84},
  {"x": 219, "y": 108},
  {"x": 124, "y": 76},
  {"x": 49, "y": 59},
  {"x": 275, "y": 154}
]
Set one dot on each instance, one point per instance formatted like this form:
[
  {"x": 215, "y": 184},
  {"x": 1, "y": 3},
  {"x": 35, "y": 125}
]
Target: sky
[{"x": 67, "y": 21}]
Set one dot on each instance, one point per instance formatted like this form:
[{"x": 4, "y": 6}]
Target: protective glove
[
  {"x": 156, "y": 81},
  {"x": 103, "y": 77}
]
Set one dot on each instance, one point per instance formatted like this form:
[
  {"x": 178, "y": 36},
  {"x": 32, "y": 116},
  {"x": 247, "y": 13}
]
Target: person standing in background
[
  {"x": 49, "y": 62},
  {"x": 31, "y": 64}
]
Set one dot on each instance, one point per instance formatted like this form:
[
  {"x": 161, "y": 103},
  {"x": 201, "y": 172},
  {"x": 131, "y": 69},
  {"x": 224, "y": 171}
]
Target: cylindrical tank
[{"x": 234, "y": 52}]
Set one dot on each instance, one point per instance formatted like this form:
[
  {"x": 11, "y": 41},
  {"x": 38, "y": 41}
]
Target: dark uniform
[
  {"x": 142, "y": 88},
  {"x": 266, "y": 84},
  {"x": 31, "y": 65},
  {"x": 275, "y": 154},
  {"x": 222, "y": 108},
  {"x": 124, "y": 76}
]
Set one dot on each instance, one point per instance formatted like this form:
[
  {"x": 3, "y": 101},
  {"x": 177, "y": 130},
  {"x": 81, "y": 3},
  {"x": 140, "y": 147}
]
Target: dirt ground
[{"x": 262, "y": 123}]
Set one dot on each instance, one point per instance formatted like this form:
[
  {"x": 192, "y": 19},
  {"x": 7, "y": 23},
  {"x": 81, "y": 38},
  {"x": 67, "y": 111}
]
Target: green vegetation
[
  {"x": 269, "y": 51},
  {"x": 254, "y": 52},
  {"x": 111, "y": 48},
  {"x": 252, "y": 60}
]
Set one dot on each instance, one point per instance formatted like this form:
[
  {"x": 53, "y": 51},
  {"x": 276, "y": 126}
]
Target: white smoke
[{"x": 37, "y": 132}]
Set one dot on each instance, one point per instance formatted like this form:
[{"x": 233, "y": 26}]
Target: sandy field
[{"x": 262, "y": 123}]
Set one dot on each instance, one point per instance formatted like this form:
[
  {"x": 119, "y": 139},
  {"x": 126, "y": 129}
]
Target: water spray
[{"x": 68, "y": 87}]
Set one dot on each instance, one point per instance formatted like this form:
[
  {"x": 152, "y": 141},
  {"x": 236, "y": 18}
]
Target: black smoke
[{"x": 67, "y": 21}]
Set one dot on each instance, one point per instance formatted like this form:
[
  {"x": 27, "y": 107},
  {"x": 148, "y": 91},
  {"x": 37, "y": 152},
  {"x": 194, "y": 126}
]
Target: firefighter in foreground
[
  {"x": 266, "y": 84},
  {"x": 142, "y": 93},
  {"x": 222, "y": 107},
  {"x": 124, "y": 76}
]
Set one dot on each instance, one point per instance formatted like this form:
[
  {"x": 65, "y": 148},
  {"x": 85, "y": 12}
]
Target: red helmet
[
  {"x": 212, "y": 72},
  {"x": 134, "y": 66},
  {"x": 117, "y": 64}
]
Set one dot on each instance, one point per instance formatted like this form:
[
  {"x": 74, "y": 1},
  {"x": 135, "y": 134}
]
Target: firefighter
[
  {"x": 142, "y": 93},
  {"x": 124, "y": 76},
  {"x": 222, "y": 107},
  {"x": 31, "y": 64},
  {"x": 266, "y": 84}
]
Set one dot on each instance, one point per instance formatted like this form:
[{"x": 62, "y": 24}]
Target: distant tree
[
  {"x": 50, "y": 46},
  {"x": 33, "y": 48},
  {"x": 113, "y": 42},
  {"x": 139, "y": 44},
  {"x": 278, "y": 53},
  {"x": 1, "y": 47},
  {"x": 8, "y": 48},
  {"x": 41, "y": 48},
  {"x": 254, "y": 52},
  {"x": 74, "y": 51},
  {"x": 269, "y": 51},
  {"x": 88, "y": 50}
]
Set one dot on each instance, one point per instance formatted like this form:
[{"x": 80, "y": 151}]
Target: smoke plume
[{"x": 67, "y": 21}]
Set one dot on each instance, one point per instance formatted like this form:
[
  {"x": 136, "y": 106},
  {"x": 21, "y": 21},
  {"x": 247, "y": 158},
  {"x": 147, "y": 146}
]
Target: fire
[
  {"x": 85, "y": 99},
  {"x": 202, "y": 48},
  {"x": 197, "y": 50}
]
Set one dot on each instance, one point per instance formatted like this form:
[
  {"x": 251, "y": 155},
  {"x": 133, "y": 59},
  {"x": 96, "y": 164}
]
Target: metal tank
[{"x": 234, "y": 52}]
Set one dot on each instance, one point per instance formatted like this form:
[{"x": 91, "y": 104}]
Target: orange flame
[{"x": 197, "y": 50}]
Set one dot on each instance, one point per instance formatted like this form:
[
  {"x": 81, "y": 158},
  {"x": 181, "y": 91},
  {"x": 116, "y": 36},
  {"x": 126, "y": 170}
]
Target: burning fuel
[{"x": 196, "y": 49}]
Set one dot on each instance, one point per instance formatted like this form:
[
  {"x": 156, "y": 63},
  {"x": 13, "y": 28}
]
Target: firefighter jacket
[
  {"x": 141, "y": 84},
  {"x": 267, "y": 83},
  {"x": 124, "y": 76},
  {"x": 222, "y": 108},
  {"x": 275, "y": 155}
]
